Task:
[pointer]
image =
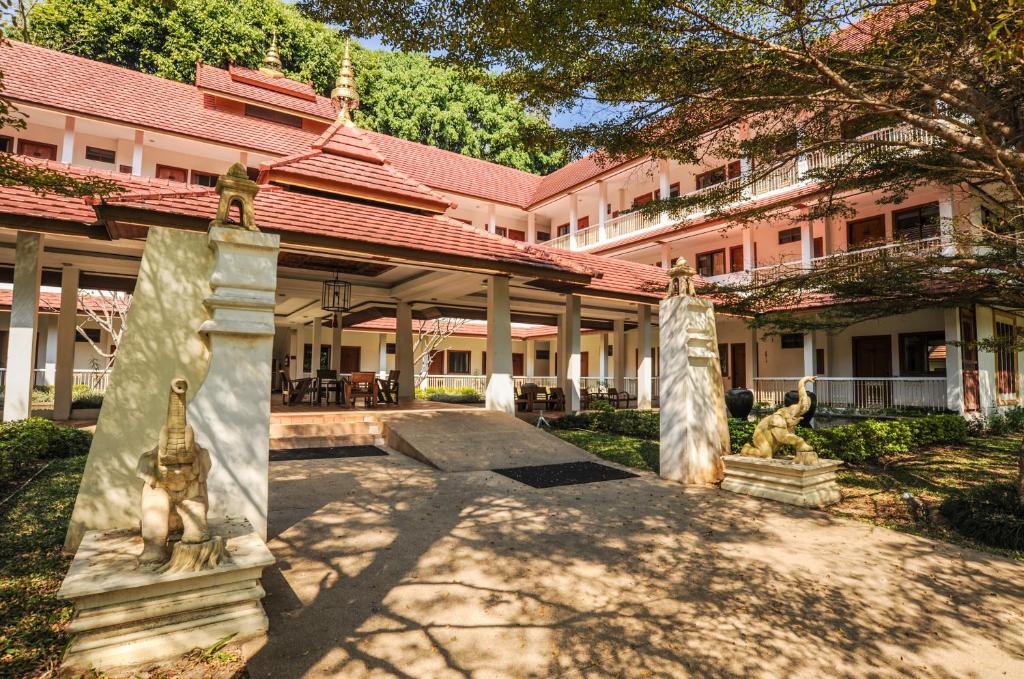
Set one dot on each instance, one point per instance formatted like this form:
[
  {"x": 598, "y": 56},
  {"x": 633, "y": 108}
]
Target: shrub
[
  {"x": 643, "y": 424},
  {"x": 25, "y": 442},
  {"x": 87, "y": 398},
  {"x": 939, "y": 429},
  {"x": 69, "y": 442},
  {"x": 450, "y": 395},
  {"x": 991, "y": 514},
  {"x": 580, "y": 420},
  {"x": 741, "y": 433}
]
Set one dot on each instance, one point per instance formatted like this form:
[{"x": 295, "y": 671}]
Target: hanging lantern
[{"x": 337, "y": 295}]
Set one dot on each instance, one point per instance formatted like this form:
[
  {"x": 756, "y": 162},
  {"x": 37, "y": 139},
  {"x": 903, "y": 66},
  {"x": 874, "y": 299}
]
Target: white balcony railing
[
  {"x": 479, "y": 382},
  {"x": 861, "y": 393}
]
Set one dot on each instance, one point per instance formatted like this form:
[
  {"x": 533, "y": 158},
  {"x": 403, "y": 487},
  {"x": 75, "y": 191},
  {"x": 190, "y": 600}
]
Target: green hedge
[
  {"x": 991, "y": 514},
  {"x": 82, "y": 396},
  {"x": 1010, "y": 422},
  {"x": 450, "y": 395},
  {"x": 23, "y": 443}
]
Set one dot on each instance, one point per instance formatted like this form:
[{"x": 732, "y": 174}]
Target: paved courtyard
[{"x": 387, "y": 567}]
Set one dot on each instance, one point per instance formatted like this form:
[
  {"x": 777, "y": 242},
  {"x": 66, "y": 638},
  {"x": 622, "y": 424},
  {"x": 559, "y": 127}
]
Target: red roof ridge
[{"x": 284, "y": 85}]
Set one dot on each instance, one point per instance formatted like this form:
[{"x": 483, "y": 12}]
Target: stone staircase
[{"x": 303, "y": 430}]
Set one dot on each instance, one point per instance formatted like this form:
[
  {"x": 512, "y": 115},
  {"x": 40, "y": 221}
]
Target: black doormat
[
  {"x": 283, "y": 454},
  {"x": 564, "y": 474}
]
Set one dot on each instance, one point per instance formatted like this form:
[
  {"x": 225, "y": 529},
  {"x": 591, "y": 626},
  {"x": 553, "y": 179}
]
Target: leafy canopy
[
  {"x": 406, "y": 95},
  {"x": 813, "y": 82}
]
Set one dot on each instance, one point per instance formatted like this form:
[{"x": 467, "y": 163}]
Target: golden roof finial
[
  {"x": 344, "y": 92},
  {"x": 272, "y": 61}
]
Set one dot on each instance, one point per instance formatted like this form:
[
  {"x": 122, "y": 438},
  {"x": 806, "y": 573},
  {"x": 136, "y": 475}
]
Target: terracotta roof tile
[
  {"x": 255, "y": 86},
  {"x": 44, "y": 77},
  {"x": 577, "y": 172}
]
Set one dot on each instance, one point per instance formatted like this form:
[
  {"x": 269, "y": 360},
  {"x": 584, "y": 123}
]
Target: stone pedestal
[
  {"x": 126, "y": 616},
  {"x": 804, "y": 485}
]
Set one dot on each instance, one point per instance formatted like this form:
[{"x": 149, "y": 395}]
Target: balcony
[
  {"x": 861, "y": 394},
  {"x": 784, "y": 177}
]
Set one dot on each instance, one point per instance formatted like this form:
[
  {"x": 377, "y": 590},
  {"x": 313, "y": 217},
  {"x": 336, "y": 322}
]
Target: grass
[
  {"x": 872, "y": 493},
  {"x": 32, "y": 619}
]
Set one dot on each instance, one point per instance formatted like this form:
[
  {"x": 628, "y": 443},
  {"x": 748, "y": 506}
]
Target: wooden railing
[{"x": 861, "y": 393}]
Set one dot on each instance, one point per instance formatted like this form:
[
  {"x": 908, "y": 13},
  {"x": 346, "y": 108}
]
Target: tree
[
  {"x": 108, "y": 311},
  {"x": 406, "y": 95},
  {"x": 429, "y": 337},
  {"x": 777, "y": 83}
]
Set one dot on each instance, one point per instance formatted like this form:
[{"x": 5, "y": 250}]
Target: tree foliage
[
  {"x": 879, "y": 96},
  {"x": 406, "y": 95}
]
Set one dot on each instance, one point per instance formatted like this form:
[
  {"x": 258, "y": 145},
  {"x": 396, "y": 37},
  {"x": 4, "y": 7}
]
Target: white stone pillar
[
  {"x": 294, "y": 351},
  {"x": 492, "y": 218},
  {"x": 748, "y": 249},
  {"x": 66, "y": 331},
  {"x": 572, "y": 353},
  {"x": 954, "y": 365},
  {"x": 67, "y": 147},
  {"x": 230, "y": 412},
  {"x": 806, "y": 243},
  {"x": 644, "y": 368},
  {"x": 810, "y": 356},
  {"x": 619, "y": 353},
  {"x": 602, "y": 365},
  {"x": 602, "y": 210},
  {"x": 314, "y": 360},
  {"x": 500, "y": 395},
  {"x": 21, "y": 340},
  {"x": 559, "y": 357},
  {"x": 574, "y": 221},
  {"x": 382, "y": 355},
  {"x": 666, "y": 256},
  {"x": 137, "y": 147},
  {"x": 664, "y": 188},
  {"x": 404, "y": 352},
  {"x": 947, "y": 224},
  {"x": 531, "y": 358},
  {"x": 336, "y": 343},
  {"x": 531, "y": 227}
]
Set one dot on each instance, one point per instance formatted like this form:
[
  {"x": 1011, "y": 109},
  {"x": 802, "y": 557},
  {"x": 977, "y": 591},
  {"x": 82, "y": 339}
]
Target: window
[
  {"x": 6, "y": 144},
  {"x": 865, "y": 232},
  {"x": 501, "y": 231},
  {"x": 389, "y": 348},
  {"x": 819, "y": 361},
  {"x": 562, "y": 230},
  {"x": 736, "y": 258},
  {"x": 723, "y": 359},
  {"x": 922, "y": 353},
  {"x": 643, "y": 199},
  {"x": 711, "y": 263},
  {"x": 272, "y": 115},
  {"x": 36, "y": 149},
  {"x": 174, "y": 174},
  {"x": 789, "y": 235},
  {"x": 516, "y": 234},
  {"x": 792, "y": 340},
  {"x": 543, "y": 354},
  {"x": 204, "y": 178},
  {"x": 99, "y": 155},
  {"x": 1006, "y": 362},
  {"x": 93, "y": 334},
  {"x": 543, "y": 236},
  {"x": 124, "y": 169},
  {"x": 710, "y": 178},
  {"x": 252, "y": 173},
  {"x": 916, "y": 223},
  {"x": 673, "y": 191},
  {"x": 458, "y": 362}
]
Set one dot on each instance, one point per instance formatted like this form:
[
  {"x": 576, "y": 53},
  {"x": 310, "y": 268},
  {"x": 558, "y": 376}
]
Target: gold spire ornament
[
  {"x": 272, "y": 61},
  {"x": 344, "y": 93}
]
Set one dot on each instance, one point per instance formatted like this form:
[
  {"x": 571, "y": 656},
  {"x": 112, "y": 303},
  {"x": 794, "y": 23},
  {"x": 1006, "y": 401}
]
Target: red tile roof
[
  {"x": 49, "y": 302},
  {"x": 573, "y": 174},
  {"x": 43, "y": 77},
  {"x": 455, "y": 173},
  {"x": 343, "y": 161},
  {"x": 467, "y": 329},
  {"x": 260, "y": 88}
]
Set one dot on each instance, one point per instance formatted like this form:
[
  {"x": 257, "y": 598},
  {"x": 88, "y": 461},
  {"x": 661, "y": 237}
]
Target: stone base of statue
[
  {"x": 126, "y": 615},
  {"x": 804, "y": 485}
]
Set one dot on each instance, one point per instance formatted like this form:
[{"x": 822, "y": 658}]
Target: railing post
[
  {"x": 602, "y": 210},
  {"x": 573, "y": 220}
]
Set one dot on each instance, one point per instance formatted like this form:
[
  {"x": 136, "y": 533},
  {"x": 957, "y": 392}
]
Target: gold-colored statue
[
  {"x": 779, "y": 429},
  {"x": 174, "y": 496}
]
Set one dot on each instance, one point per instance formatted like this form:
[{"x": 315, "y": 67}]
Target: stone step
[
  {"x": 307, "y": 417},
  {"x": 282, "y": 430},
  {"x": 293, "y": 442}
]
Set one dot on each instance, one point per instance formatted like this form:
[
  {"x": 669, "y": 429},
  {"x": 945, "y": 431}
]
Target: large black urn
[
  {"x": 740, "y": 402},
  {"x": 794, "y": 396}
]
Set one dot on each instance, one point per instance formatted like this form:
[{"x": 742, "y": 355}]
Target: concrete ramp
[{"x": 475, "y": 440}]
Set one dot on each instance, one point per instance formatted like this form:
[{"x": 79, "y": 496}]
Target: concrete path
[
  {"x": 476, "y": 440},
  {"x": 387, "y": 567}
]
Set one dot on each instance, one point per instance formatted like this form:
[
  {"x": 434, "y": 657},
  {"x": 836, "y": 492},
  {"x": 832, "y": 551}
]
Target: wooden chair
[
  {"x": 619, "y": 399},
  {"x": 556, "y": 398},
  {"x": 388, "y": 388},
  {"x": 293, "y": 392},
  {"x": 364, "y": 385},
  {"x": 526, "y": 397},
  {"x": 326, "y": 380}
]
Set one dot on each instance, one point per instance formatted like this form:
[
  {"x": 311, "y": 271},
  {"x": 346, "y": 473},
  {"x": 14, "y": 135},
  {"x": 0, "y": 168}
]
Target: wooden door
[
  {"x": 518, "y": 364},
  {"x": 738, "y": 359},
  {"x": 584, "y": 364},
  {"x": 350, "y": 359},
  {"x": 174, "y": 174},
  {"x": 736, "y": 258},
  {"x": 436, "y": 364},
  {"x": 865, "y": 232},
  {"x": 37, "y": 149},
  {"x": 969, "y": 360},
  {"x": 872, "y": 357}
]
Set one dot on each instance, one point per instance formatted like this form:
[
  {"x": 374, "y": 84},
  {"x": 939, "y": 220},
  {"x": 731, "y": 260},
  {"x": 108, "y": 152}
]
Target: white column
[
  {"x": 47, "y": 358},
  {"x": 382, "y": 355},
  {"x": 602, "y": 366},
  {"x": 243, "y": 158},
  {"x": 574, "y": 221},
  {"x": 531, "y": 227},
  {"x": 500, "y": 395},
  {"x": 748, "y": 248},
  {"x": 810, "y": 355},
  {"x": 403, "y": 352},
  {"x": 66, "y": 330},
  {"x": 806, "y": 243},
  {"x": 559, "y": 357},
  {"x": 947, "y": 224},
  {"x": 531, "y": 358},
  {"x": 619, "y": 353},
  {"x": 492, "y": 218},
  {"x": 644, "y": 369},
  {"x": 294, "y": 351},
  {"x": 954, "y": 371},
  {"x": 663, "y": 183},
  {"x": 666, "y": 256},
  {"x": 602, "y": 209},
  {"x": 137, "y": 153},
  {"x": 21, "y": 341},
  {"x": 67, "y": 147},
  {"x": 572, "y": 353},
  {"x": 314, "y": 363},
  {"x": 336, "y": 343}
]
